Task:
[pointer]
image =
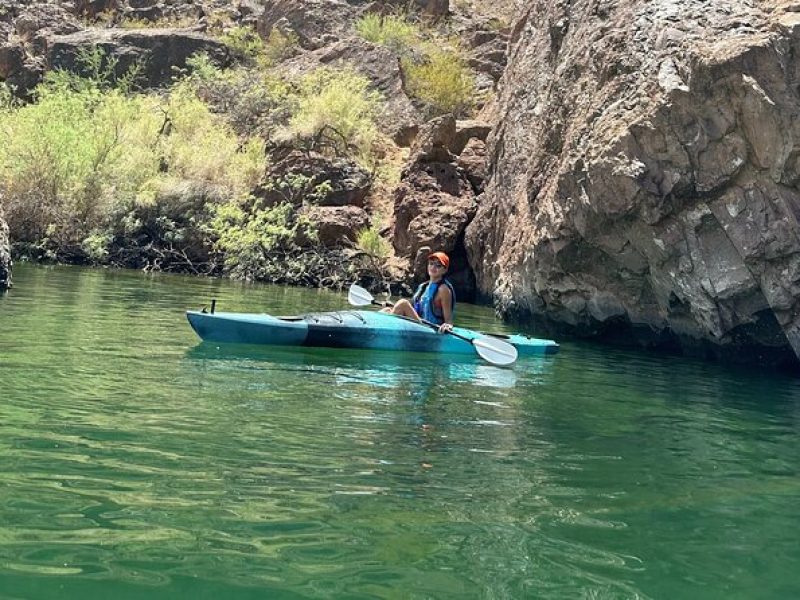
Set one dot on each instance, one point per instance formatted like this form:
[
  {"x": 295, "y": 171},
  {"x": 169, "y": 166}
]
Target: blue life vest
[{"x": 423, "y": 301}]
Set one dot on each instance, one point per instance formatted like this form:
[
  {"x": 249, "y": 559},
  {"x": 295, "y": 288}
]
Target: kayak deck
[{"x": 347, "y": 329}]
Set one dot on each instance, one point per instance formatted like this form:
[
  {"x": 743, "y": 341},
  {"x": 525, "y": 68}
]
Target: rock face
[
  {"x": 345, "y": 182},
  {"x": 433, "y": 205},
  {"x": 160, "y": 51},
  {"x": 644, "y": 175},
  {"x": 5, "y": 254},
  {"x": 337, "y": 225},
  {"x": 316, "y": 23}
]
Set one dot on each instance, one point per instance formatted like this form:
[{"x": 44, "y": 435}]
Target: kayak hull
[{"x": 346, "y": 329}]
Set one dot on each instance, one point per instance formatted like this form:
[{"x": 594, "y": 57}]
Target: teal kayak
[{"x": 348, "y": 329}]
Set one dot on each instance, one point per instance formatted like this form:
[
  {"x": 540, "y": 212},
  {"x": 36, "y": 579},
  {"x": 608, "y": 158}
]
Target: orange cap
[{"x": 441, "y": 257}]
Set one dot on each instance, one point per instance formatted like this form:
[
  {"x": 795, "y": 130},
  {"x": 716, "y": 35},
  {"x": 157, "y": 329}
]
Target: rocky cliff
[{"x": 643, "y": 177}]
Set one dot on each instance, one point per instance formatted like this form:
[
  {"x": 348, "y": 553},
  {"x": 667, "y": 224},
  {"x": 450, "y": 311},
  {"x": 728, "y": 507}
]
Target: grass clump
[
  {"x": 369, "y": 241},
  {"x": 443, "y": 81},
  {"x": 392, "y": 31},
  {"x": 336, "y": 109}
]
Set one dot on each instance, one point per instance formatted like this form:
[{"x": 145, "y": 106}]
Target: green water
[{"x": 137, "y": 463}]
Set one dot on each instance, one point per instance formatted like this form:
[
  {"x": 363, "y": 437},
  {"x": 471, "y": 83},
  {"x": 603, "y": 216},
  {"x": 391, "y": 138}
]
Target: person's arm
[{"x": 445, "y": 296}]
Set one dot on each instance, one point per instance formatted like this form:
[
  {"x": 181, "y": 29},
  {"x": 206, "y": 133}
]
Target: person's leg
[{"x": 405, "y": 309}]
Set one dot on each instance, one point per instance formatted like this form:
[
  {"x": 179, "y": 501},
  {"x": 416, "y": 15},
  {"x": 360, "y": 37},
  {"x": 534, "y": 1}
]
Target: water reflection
[{"x": 381, "y": 369}]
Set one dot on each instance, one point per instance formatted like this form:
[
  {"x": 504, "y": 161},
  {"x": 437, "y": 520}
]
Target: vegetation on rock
[{"x": 436, "y": 71}]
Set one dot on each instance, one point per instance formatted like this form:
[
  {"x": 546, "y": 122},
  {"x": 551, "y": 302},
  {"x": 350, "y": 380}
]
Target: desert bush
[
  {"x": 280, "y": 46},
  {"x": 255, "y": 239},
  {"x": 201, "y": 146},
  {"x": 69, "y": 156},
  {"x": 88, "y": 149},
  {"x": 252, "y": 101},
  {"x": 164, "y": 232},
  {"x": 244, "y": 42},
  {"x": 443, "y": 82},
  {"x": 392, "y": 31},
  {"x": 336, "y": 104},
  {"x": 369, "y": 240}
]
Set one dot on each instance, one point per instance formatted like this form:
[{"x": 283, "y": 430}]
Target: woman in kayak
[{"x": 434, "y": 300}]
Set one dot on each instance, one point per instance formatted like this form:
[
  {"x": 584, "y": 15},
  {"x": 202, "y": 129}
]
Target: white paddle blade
[
  {"x": 358, "y": 296},
  {"x": 495, "y": 351}
]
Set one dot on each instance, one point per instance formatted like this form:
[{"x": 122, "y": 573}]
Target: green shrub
[
  {"x": 255, "y": 240},
  {"x": 370, "y": 241},
  {"x": 68, "y": 157},
  {"x": 444, "y": 82},
  {"x": 252, "y": 101},
  {"x": 201, "y": 146},
  {"x": 392, "y": 31},
  {"x": 244, "y": 42},
  {"x": 85, "y": 151},
  {"x": 280, "y": 46},
  {"x": 338, "y": 108},
  {"x": 328, "y": 110}
]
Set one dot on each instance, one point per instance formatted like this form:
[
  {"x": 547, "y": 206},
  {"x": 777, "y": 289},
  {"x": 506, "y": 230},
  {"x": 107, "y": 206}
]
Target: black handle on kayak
[{"x": 382, "y": 304}]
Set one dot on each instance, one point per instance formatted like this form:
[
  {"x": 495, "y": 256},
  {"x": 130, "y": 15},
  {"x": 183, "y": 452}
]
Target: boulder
[
  {"x": 12, "y": 60},
  {"x": 316, "y": 23},
  {"x": 429, "y": 8},
  {"x": 435, "y": 141},
  {"x": 348, "y": 184},
  {"x": 19, "y": 71},
  {"x": 490, "y": 57},
  {"x": 91, "y": 9},
  {"x": 38, "y": 21},
  {"x": 467, "y": 130},
  {"x": 337, "y": 225},
  {"x": 644, "y": 176},
  {"x": 432, "y": 206},
  {"x": 472, "y": 161},
  {"x": 160, "y": 50}
]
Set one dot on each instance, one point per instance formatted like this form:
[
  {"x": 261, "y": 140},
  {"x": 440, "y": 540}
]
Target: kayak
[{"x": 349, "y": 329}]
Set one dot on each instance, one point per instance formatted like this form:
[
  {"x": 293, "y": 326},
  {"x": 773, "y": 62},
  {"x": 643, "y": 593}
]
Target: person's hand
[{"x": 445, "y": 327}]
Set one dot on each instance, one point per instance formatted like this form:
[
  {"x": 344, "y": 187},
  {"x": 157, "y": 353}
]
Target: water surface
[{"x": 136, "y": 462}]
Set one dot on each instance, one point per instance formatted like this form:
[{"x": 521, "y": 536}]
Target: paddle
[{"x": 492, "y": 350}]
